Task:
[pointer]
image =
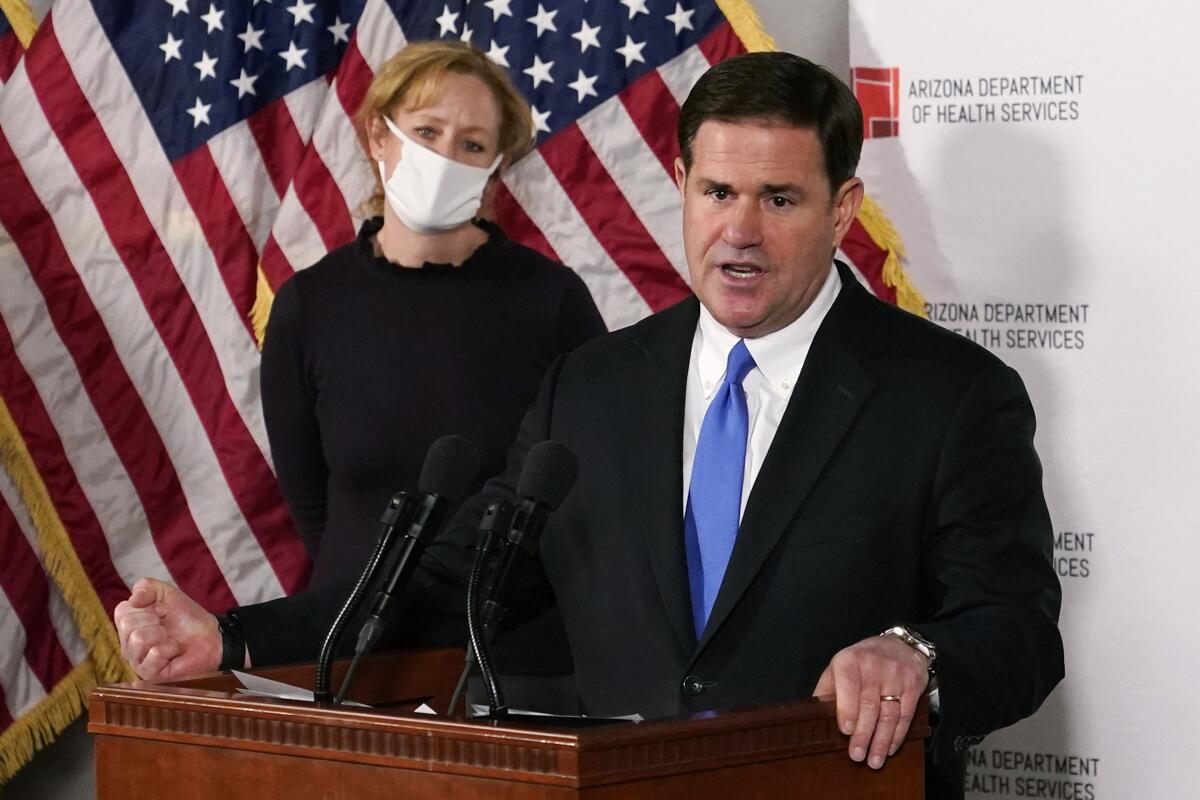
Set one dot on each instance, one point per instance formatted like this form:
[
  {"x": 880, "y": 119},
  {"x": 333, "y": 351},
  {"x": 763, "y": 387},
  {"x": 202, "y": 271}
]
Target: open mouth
[{"x": 741, "y": 271}]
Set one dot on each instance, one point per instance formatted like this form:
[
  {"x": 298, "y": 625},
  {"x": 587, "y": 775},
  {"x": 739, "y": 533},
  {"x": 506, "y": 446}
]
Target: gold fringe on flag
[
  {"x": 106, "y": 665},
  {"x": 260, "y": 312},
  {"x": 881, "y": 231},
  {"x": 746, "y": 24},
  {"x": 37, "y": 727},
  {"x": 748, "y": 27},
  {"x": 20, "y": 16}
]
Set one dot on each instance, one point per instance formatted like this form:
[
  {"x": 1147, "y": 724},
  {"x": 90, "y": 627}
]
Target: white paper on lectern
[{"x": 265, "y": 687}]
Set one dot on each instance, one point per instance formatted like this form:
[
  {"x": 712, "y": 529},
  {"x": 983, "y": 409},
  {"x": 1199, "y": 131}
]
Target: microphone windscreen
[
  {"x": 549, "y": 473},
  {"x": 450, "y": 466}
]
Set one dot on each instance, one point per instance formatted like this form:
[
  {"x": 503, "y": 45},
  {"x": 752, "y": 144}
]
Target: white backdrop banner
[{"x": 1039, "y": 160}]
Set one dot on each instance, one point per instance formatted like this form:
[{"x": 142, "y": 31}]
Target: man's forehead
[{"x": 762, "y": 147}]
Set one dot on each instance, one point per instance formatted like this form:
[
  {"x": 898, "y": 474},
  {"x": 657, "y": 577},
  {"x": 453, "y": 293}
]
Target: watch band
[
  {"x": 233, "y": 642},
  {"x": 917, "y": 642}
]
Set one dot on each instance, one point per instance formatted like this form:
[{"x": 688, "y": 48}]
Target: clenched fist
[{"x": 165, "y": 634}]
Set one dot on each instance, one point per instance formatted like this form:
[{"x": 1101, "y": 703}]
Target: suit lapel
[
  {"x": 831, "y": 390},
  {"x": 656, "y": 455}
]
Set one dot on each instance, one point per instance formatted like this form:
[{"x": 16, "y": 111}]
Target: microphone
[
  {"x": 450, "y": 466},
  {"x": 451, "y": 463},
  {"x": 547, "y": 476},
  {"x": 549, "y": 473}
]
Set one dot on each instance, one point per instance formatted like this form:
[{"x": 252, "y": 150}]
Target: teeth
[{"x": 739, "y": 271}]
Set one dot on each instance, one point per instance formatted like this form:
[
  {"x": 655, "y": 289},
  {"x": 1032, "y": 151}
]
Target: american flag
[{"x": 164, "y": 166}]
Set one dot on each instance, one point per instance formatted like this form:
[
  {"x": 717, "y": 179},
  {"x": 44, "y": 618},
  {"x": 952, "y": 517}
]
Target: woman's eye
[
  {"x": 425, "y": 132},
  {"x": 474, "y": 147}
]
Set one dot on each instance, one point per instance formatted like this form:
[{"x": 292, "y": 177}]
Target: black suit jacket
[{"x": 901, "y": 487}]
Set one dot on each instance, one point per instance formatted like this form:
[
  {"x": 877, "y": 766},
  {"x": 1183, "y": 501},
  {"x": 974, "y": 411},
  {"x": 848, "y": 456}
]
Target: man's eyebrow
[
  {"x": 709, "y": 183},
  {"x": 781, "y": 188}
]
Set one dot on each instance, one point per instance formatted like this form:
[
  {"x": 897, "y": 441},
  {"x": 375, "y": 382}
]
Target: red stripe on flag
[
  {"x": 23, "y": 581},
  {"x": 275, "y": 264},
  {"x": 517, "y": 224},
  {"x": 10, "y": 53},
  {"x": 869, "y": 258},
  {"x": 166, "y": 300},
  {"x": 611, "y": 219},
  {"x": 224, "y": 230},
  {"x": 320, "y": 196},
  {"x": 655, "y": 112},
  {"x": 353, "y": 77},
  {"x": 50, "y": 459},
  {"x": 129, "y": 428},
  {"x": 721, "y": 44},
  {"x": 278, "y": 141},
  {"x": 5, "y": 717}
]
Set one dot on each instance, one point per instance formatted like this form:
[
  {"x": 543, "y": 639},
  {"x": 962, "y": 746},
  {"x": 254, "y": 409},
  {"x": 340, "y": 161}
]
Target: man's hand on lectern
[
  {"x": 165, "y": 634},
  {"x": 878, "y": 683}
]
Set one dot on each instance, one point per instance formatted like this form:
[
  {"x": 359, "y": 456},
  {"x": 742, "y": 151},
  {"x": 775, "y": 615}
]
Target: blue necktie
[{"x": 710, "y": 524}]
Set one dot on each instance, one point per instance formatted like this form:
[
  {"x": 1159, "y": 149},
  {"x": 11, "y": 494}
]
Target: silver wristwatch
[{"x": 917, "y": 642}]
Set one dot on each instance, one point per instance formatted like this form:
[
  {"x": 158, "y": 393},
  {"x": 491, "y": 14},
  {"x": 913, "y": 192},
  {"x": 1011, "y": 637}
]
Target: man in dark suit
[{"x": 773, "y": 473}]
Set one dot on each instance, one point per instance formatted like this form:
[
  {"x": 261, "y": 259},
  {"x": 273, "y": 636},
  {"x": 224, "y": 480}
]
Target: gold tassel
[
  {"x": 746, "y": 24},
  {"x": 260, "y": 312},
  {"x": 59, "y": 556},
  {"x": 20, "y": 17},
  {"x": 37, "y": 727},
  {"x": 881, "y": 231}
]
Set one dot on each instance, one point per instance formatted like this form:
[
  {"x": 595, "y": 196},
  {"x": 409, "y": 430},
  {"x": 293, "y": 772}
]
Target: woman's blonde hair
[{"x": 410, "y": 80}]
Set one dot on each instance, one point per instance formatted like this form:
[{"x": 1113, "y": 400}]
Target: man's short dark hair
[{"x": 778, "y": 87}]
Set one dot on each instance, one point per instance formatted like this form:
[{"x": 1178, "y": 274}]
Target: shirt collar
[{"x": 779, "y": 356}]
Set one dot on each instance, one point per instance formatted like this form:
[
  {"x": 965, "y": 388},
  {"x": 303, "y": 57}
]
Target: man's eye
[
  {"x": 718, "y": 194},
  {"x": 779, "y": 201}
]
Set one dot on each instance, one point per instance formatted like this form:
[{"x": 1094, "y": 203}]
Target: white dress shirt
[{"x": 778, "y": 358}]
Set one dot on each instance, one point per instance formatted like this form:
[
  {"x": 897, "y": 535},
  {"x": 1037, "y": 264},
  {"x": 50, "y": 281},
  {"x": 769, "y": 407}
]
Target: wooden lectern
[{"x": 199, "y": 740}]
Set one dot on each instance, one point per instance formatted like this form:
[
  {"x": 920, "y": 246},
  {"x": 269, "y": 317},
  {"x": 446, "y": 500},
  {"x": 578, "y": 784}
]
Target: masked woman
[{"x": 430, "y": 322}]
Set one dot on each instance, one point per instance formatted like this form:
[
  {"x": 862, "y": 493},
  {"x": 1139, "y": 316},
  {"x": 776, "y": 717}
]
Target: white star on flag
[
  {"x": 302, "y": 12},
  {"x": 340, "y": 30},
  {"x": 583, "y": 86},
  {"x": 448, "y": 21},
  {"x": 244, "y": 84},
  {"x": 500, "y": 8},
  {"x": 539, "y": 119},
  {"x": 587, "y": 36},
  {"x": 171, "y": 48},
  {"x": 681, "y": 19},
  {"x": 213, "y": 19},
  {"x": 294, "y": 56},
  {"x": 543, "y": 20},
  {"x": 632, "y": 51},
  {"x": 635, "y": 7},
  {"x": 199, "y": 113},
  {"x": 498, "y": 55},
  {"x": 466, "y": 33},
  {"x": 207, "y": 66},
  {"x": 177, "y": 7},
  {"x": 540, "y": 72},
  {"x": 251, "y": 38}
]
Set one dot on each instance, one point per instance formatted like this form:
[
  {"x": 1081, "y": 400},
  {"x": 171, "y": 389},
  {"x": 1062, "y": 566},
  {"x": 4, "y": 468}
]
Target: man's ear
[
  {"x": 680, "y": 176},
  {"x": 846, "y": 202}
]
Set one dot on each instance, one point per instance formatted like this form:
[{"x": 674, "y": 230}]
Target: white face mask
[{"x": 430, "y": 192}]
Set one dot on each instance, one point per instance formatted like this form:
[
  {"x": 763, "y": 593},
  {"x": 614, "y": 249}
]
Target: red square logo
[{"x": 878, "y": 92}]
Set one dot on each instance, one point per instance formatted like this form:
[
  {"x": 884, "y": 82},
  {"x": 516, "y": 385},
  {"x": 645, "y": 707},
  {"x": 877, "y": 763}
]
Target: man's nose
[{"x": 743, "y": 227}]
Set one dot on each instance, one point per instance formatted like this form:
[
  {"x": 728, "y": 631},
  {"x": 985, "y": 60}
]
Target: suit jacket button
[{"x": 692, "y": 685}]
